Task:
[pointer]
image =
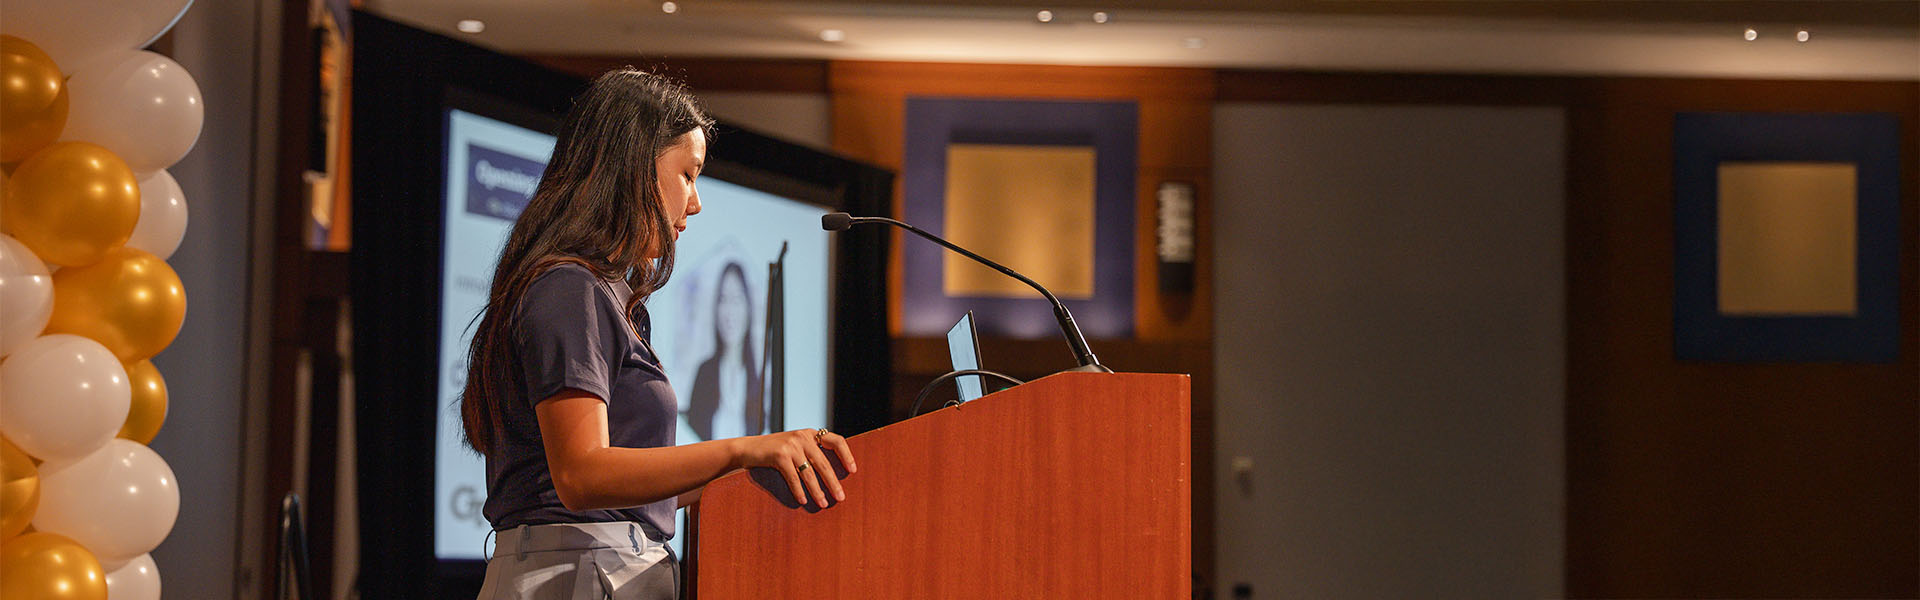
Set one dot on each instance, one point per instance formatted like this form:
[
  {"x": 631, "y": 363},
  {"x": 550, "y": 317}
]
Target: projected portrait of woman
[{"x": 726, "y": 399}]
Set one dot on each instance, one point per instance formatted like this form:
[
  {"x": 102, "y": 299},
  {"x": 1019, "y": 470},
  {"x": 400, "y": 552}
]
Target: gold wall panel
[
  {"x": 1787, "y": 238},
  {"x": 1027, "y": 207}
]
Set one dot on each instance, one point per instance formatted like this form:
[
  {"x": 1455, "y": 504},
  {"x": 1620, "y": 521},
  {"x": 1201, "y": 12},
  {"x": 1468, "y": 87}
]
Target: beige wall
[
  {"x": 1390, "y": 351},
  {"x": 204, "y": 438},
  {"x": 801, "y": 118}
]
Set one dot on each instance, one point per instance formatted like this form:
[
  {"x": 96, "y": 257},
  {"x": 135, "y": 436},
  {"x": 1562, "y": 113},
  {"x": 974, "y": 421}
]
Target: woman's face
[
  {"x": 730, "y": 309},
  {"x": 677, "y": 168}
]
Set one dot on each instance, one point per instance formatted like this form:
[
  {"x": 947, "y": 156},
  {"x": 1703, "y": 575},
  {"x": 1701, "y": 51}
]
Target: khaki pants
[{"x": 580, "y": 561}]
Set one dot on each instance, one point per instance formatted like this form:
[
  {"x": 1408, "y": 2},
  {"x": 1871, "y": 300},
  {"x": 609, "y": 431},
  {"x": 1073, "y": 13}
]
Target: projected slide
[{"x": 709, "y": 323}]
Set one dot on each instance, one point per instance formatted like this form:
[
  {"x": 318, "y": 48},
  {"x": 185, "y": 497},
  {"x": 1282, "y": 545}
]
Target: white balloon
[
  {"x": 118, "y": 502},
  {"x": 77, "y": 31},
  {"x": 163, "y": 215},
  {"x": 26, "y": 295},
  {"x": 62, "y": 396},
  {"x": 139, "y": 580},
  {"x": 142, "y": 106}
]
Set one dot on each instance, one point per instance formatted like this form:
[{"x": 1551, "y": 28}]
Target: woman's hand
[{"x": 797, "y": 455}]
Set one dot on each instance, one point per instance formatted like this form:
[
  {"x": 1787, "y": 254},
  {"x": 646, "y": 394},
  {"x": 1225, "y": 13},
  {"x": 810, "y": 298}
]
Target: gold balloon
[
  {"x": 149, "y": 402},
  {"x": 131, "y": 302},
  {"x": 19, "y": 489},
  {"x": 49, "y": 566},
  {"x": 33, "y": 99},
  {"x": 71, "y": 203}
]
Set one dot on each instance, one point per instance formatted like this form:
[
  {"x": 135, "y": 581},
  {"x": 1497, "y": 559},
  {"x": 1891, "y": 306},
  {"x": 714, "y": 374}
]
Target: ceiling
[
  {"x": 1846, "y": 39},
  {"x": 1824, "y": 12}
]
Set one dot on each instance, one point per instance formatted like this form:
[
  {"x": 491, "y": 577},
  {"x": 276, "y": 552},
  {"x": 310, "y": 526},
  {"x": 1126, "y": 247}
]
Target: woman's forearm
[{"x": 615, "y": 477}]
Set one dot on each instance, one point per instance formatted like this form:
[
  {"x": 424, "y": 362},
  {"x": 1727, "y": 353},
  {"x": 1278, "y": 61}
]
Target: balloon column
[{"x": 89, "y": 123}]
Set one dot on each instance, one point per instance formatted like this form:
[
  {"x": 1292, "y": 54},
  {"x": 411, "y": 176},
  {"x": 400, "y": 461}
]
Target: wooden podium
[{"x": 1076, "y": 485}]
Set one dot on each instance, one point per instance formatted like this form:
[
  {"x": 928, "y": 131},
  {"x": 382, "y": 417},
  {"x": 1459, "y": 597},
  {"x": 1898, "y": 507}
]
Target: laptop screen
[{"x": 964, "y": 346}]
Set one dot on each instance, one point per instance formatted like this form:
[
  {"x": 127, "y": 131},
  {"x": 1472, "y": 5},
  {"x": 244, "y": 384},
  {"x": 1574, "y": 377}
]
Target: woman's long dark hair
[{"x": 598, "y": 205}]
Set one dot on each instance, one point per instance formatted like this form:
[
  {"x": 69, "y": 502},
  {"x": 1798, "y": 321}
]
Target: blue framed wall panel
[
  {"x": 1870, "y": 142},
  {"x": 933, "y": 123}
]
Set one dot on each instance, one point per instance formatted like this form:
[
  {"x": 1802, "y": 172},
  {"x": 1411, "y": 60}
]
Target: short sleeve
[{"x": 568, "y": 335}]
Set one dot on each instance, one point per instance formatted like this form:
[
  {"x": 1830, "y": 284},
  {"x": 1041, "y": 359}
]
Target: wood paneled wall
[
  {"x": 1176, "y": 121},
  {"x": 1692, "y": 479}
]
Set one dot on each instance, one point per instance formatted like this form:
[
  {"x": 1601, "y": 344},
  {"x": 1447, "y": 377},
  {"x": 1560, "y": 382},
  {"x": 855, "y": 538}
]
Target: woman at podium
[{"x": 565, "y": 396}]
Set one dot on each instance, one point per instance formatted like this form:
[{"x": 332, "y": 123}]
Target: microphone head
[{"x": 836, "y": 221}]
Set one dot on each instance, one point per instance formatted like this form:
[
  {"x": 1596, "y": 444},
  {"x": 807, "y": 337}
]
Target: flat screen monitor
[{"x": 963, "y": 345}]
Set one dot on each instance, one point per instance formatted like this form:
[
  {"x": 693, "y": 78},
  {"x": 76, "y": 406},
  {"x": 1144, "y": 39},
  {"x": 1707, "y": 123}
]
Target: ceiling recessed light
[
  {"x": 1751, "y": 35},
  {"x": 832, "y": 35},
  {"x": 669, "y": 7},
  {"x": 1193, "y": 42},
  {"x": 470, "y": 26},
  {"x": 1100, "y": 17},
  {"x": 1045, "y": 16},
  {"x": 1802, "y": 36}
]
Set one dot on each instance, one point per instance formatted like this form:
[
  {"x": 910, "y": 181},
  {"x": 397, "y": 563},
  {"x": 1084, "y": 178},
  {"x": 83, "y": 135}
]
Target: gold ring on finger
[
  {"x": 820, "y": 433},
  {"x": 804, "y": 466}
]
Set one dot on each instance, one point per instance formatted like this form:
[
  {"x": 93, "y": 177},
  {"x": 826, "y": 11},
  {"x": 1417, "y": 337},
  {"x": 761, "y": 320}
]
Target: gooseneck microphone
[{"x": 840, "y": 221}]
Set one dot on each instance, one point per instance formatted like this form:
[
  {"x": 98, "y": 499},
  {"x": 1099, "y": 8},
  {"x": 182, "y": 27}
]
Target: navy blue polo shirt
[{"x": 570, "y": 333}]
